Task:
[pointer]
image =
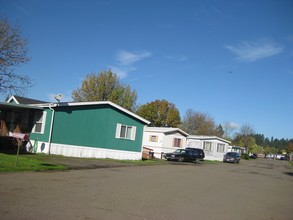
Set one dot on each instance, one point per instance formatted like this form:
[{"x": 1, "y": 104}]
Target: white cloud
[
  {"x": 122, "y": 72},
  {"x": 252, "y": 51},
  {"x": 233, "y": 125},
  {"x": 126, "y": 58}
]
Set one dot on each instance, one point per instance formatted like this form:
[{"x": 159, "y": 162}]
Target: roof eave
[
  {"x": 202, "y": 137},
  {"x": 166, "y": 130},
  {"x": 64, "y": 104},
  {"x": 5, "y": 105}
]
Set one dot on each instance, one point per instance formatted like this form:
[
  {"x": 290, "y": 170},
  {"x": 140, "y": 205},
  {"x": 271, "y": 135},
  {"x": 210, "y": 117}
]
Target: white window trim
[
  {"x": 222, "y": 147},
  {"x": 43, "y": 124},
  {"x": 132, "y": 135},
  {"x": 211, "y": 145}
]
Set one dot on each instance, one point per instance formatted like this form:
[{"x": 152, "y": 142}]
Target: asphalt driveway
[{"x": 256, "y": 189}]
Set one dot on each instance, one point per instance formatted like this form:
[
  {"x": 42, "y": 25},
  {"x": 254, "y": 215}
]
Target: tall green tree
[
  {"x": 13, "y": 52},
  {"x": 105, "y": 86},
  {"x": 245, "y": 137},
  {"x": 198, "y": 123},
  {"x": 289, "y": 147},
  {"x": 160, "y": 113},
  {"x": 259, "y": 139},
  {"x": 270, "y": 150}
]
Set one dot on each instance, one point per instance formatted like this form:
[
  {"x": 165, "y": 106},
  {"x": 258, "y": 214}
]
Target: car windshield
[
  {"x": 179, "y": 151},
  {"x": 233, "y": 154}
]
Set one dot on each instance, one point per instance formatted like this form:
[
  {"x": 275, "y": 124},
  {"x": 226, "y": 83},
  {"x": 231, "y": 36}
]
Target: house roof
[
  {"x": 203, "y": 137},
  {"x": 165, "y": 130},
  {"x": 71, "y": 104},
  {"x": 22, "y": 100}
]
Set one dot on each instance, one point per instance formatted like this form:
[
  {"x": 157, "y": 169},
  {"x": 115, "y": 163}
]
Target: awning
[{"x": 11, "y": 106}]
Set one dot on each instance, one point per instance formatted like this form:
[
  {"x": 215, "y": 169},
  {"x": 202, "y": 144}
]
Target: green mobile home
[{"x": 88, "y": 129}]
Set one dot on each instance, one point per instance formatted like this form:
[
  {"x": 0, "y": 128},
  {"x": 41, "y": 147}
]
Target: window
[
  {"x": 207, "y": 146},
  {"x": 125, "y": 132},
  {"x": 221, "y": 148},
  {"x": 39, "y": 121},
  {"x": 177, "y": 142},
  {"x": 153, "y": 138}
]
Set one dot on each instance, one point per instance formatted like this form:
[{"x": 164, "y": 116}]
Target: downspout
[{"x": 51, "y": 128}]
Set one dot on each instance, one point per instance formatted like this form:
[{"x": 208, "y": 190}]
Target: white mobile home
[
  {"x": 240, "y": 150},
  {"x": 163, "y": 140},
  {"x": 214, "y": 147}
]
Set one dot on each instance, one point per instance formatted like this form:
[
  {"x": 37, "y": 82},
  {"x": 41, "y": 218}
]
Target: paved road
[{"x": 256, "y": 189}]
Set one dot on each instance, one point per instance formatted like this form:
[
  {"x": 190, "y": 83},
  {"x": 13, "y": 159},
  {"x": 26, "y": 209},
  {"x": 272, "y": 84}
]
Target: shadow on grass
[
  {"x": 13, "y": 151},
  {"x": 48, "y": 165},
  {"x": 289, "y": 173}
]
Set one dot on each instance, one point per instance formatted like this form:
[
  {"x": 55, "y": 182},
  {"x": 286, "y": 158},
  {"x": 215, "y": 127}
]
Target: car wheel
[{"x": 180, "y": 159}]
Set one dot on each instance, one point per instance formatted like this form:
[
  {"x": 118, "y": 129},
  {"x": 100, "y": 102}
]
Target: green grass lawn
[
  {"x": 26, "y": 163},
  {"x": 42, "y": 162}
]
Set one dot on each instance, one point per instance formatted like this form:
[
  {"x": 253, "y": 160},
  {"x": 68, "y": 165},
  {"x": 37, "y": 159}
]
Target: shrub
[{"x": 245, "y": 156}]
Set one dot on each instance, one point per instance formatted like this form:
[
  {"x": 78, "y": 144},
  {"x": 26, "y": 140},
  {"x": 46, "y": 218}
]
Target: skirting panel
[{"x": 87, "y": 152}]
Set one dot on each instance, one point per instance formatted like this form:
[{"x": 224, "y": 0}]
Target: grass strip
[{"x": 26, "y": 163}]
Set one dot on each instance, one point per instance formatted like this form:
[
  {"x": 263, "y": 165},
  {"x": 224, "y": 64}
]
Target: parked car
[
  {"x": 231, "y": 157},
  {"x": 252, "y": 156},
  {"x": 199, "y": 152},
  {"x": 283, "y": 157},
  {"x": 181, "y": 155}
]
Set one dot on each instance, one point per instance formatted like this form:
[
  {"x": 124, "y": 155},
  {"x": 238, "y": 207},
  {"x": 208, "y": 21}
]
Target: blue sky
[{"x": 230, "y": 59}]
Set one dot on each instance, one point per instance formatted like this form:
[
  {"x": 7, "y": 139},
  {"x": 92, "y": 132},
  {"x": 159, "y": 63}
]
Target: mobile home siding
[{"x": 94, "y": 126}]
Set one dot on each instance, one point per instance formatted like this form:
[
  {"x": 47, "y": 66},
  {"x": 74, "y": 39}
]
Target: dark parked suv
[
  {"x": 188, "y": 154},
  {"x": 198, "y": 152}
]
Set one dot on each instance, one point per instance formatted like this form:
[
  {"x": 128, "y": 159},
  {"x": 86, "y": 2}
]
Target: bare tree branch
[{"x": 13, "y": 52}]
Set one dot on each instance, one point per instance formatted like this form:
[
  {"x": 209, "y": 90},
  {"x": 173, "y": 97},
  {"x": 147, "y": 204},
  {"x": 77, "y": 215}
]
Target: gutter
[{"x": 51, "y": 126}]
